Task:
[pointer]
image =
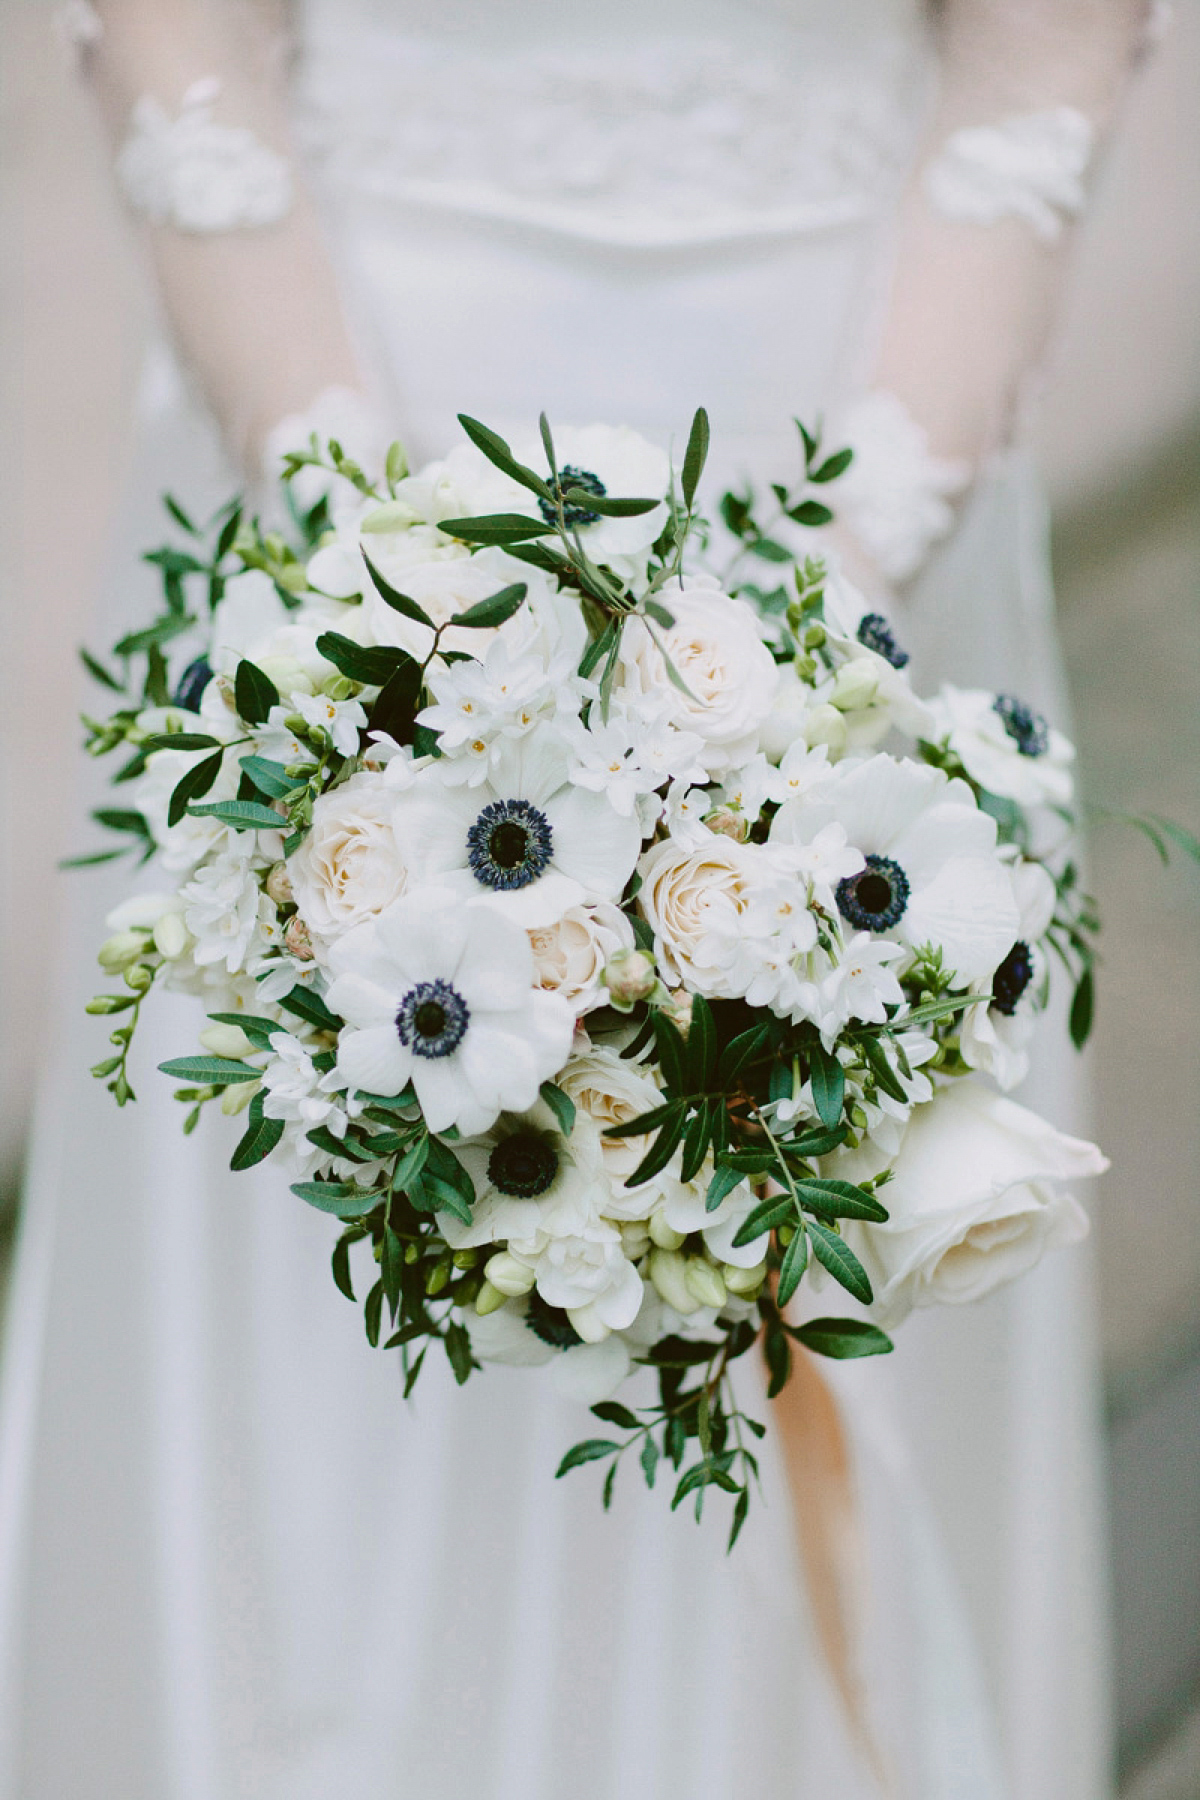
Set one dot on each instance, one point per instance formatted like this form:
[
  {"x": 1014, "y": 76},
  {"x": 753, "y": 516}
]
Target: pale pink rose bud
[
  {"x": 679, "y": 1011},
  {"x": 728, "y": 823},
  {"x": 630, "y": 976},
  {"x": 278, "y": 885},
  {"x": 298, "y": 939}
]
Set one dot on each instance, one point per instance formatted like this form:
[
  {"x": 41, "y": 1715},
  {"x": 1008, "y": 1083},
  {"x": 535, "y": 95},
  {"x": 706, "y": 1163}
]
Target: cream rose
[
  {"x": 977, "y": 1196},
  {"x": 716, "y": 645},
  {"x": 610, "y": 1090},
  {"x": 569, "y": 955},
  {"x": 350, "y": 866},
  {"x": 693, "y": 900}
]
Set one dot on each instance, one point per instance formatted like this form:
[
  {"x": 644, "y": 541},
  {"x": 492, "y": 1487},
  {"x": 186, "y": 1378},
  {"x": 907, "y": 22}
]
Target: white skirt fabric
[{"x": 235, "y": 1565}]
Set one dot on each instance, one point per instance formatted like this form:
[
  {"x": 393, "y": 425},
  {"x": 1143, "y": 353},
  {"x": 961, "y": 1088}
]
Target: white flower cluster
[{"x": 500, "y": 821}]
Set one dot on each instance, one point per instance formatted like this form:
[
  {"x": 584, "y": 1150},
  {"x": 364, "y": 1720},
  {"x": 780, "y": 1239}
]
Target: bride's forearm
[{"x": 194, "y": 95}]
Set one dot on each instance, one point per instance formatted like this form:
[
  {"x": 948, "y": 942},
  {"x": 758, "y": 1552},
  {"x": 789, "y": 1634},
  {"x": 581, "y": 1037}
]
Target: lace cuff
[
  {"x": 196, "y": 174},
  {"x": 1030, "y": 167},
  {"x": 897, "y": 496}
]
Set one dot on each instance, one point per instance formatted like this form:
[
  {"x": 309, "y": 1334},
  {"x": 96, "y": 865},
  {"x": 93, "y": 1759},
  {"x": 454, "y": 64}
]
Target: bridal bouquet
[{"x": 591, "y": 917}]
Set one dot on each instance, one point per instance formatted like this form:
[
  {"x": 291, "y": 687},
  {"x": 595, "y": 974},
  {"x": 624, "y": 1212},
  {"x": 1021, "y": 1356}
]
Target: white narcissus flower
[
  {"x": 440, "y": 993},
  {"x": 995, "y": 1035},
  {"x": 931, "y": 873},
  {"x": 569, "y": 955},
  {"x": 305, "y": 1100},
  {"x": 717, "y": 650},
  {"x": 340, "y": 720},
  {"x": 1005, "y": 746},
  {"x": 979, "y": 1190},
  {"x": 349, "y": 866},
  {"x": 861, "y": 984},
  {"x": 528, "y": 840}
]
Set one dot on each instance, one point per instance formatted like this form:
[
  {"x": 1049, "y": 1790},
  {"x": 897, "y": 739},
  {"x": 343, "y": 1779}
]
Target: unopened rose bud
[
  {"x": 171, "y": 936},
  {"x": 489, "y": 1299},
  {"x": 229, "y": 1041},
  {"x": 339, "y": 687},
  {"x": 744, "y": 1281},
  {"x": 508, "y": 1276},
  {"x": 855, "y": 686},
  {"x": 825, "y": 725},
  {"x": 629, "y": 976},
  {"x": 679, "y": 1011},
  {"x": 117, "y": 952},
  {"x": 705, "y": 1282},
  {"x": 664, "y": 1235},
  {"x": 668, "y": 1272},
  {"x": 278, "y": 885},
  {"x": 237, "y": 1097},
  {"x": 298, "y": 939},
  {"x": 727, "y": 822}
]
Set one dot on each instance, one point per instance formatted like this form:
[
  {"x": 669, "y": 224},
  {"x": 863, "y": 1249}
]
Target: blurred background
[{"x": 1121, "y": 441}]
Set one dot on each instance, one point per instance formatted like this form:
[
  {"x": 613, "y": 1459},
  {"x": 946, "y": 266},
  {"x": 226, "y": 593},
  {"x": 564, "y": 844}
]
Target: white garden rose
[
  {"x": 350, "y": 865},
  {"x": 569, "y": 955},
  {"x": 978, "y": 1194},
  {"x": 609, "y": 1089},
  {"x": 716, "y": 646},
  {"x": 693, "y": 900}
]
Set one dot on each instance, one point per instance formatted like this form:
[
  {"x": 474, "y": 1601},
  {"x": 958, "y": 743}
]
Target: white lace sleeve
[
  {"x": 194, "y": 93},
  {"x": 1027, "y": 89}
]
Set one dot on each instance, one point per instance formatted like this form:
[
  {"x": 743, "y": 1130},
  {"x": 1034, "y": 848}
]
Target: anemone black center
[
  {"x": 523, "y": 1165},
  {"x": 1012, "y": 978},
  {"x": 574, "y": 512},
  {"x": 551, "y": 1324},
  {"x": 432, "y": 1019},
  {"x": 875, "y": 633},
  {"x": 509, "y": 844},
  {"x": 192, "y": 683},
  {"x": 1027, "y": 729},
  {"x": 875, "y": 899}
]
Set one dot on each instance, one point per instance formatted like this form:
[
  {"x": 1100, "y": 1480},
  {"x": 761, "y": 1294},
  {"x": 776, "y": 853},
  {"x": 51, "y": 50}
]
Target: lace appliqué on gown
[
  {"x": 896, "y": 496},
  {"x": 670, "y": 142},
  {"x": 198, "y": 175},
  {"x": 1031, "y": 167}
]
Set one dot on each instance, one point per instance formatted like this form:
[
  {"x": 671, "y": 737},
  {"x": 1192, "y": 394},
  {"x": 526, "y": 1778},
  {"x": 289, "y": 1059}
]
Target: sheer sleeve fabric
[
  {"x": 1027, "y": 89},
  {"x": 194, "y": 93}
]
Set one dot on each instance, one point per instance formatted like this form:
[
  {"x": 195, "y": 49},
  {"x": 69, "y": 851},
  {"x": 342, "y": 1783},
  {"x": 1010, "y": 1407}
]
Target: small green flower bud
[
  {"x": 463, "y": 1259},
  {"x": 744, "y": 1282},
  {"x": 489, "y": 1299},
  {"x": 229, "y": 1041},
  {"x": 668, "y": 1272},
  {"x": 437, "y": 1278},
  {"x": 237, "y": 1097},
  {"x": 101, "y": 1069},
  {"x": 139, "y": 978},
  {"x": 664, "y": 1235},
  {"x": 340, "y": 687},
  {"x": 508, "y": 1276},
  {"x": 815, "y": 636},
  {"x": 292, "y": 577},
  {"x": 106, "y": 1003},
  {"x": 120, "y": 950}
]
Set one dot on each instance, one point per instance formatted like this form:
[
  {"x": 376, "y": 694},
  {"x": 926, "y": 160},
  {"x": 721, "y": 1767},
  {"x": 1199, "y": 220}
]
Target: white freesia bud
[
  {"x": 855, "y": 686},
  {"x": 298, "y": 938},
  {"x": 630, "y": 976},
  {"x": 744, "y": 1281},
  {"x": 705, "y": 1282},
  {"x": 825, "y": 725},
  {"x": 728, "y": 823},
  {"x": 668, "y": 1272},
  {"x": 489, "y": 1300},
  {"x": 171, "y": 936},
  {"x": 237, "y": 1097},
  {"x": 394, "y": 515},
  {"x": 226, "y": 1040},
  {"x": 508, "y": 1276},
  {"x": 278, "y": 885},
  {"x": 120, "y": 950},
  {"x": 590, "y": 1327},
  {"x": 635, "y": 1238},
  {"x": 664, "y": 1235}
]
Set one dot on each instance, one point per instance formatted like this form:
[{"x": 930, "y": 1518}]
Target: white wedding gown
[{"x": 234, "y": 1564}]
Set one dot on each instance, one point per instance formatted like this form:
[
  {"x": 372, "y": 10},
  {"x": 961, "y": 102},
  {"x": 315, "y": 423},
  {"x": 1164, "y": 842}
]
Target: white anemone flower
[
  {"x": 439, "y": 993},
  {"x": 609, "y": 461},
  {"x": 584, "y": 1372},
  {"x": 995, "y": 1034},
  {"x": 1005, "y": 746},
  {"x": 526, "y": 838},
  {"x": 528, "y": 1178},
  {"x": 931, "y": 874}
]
